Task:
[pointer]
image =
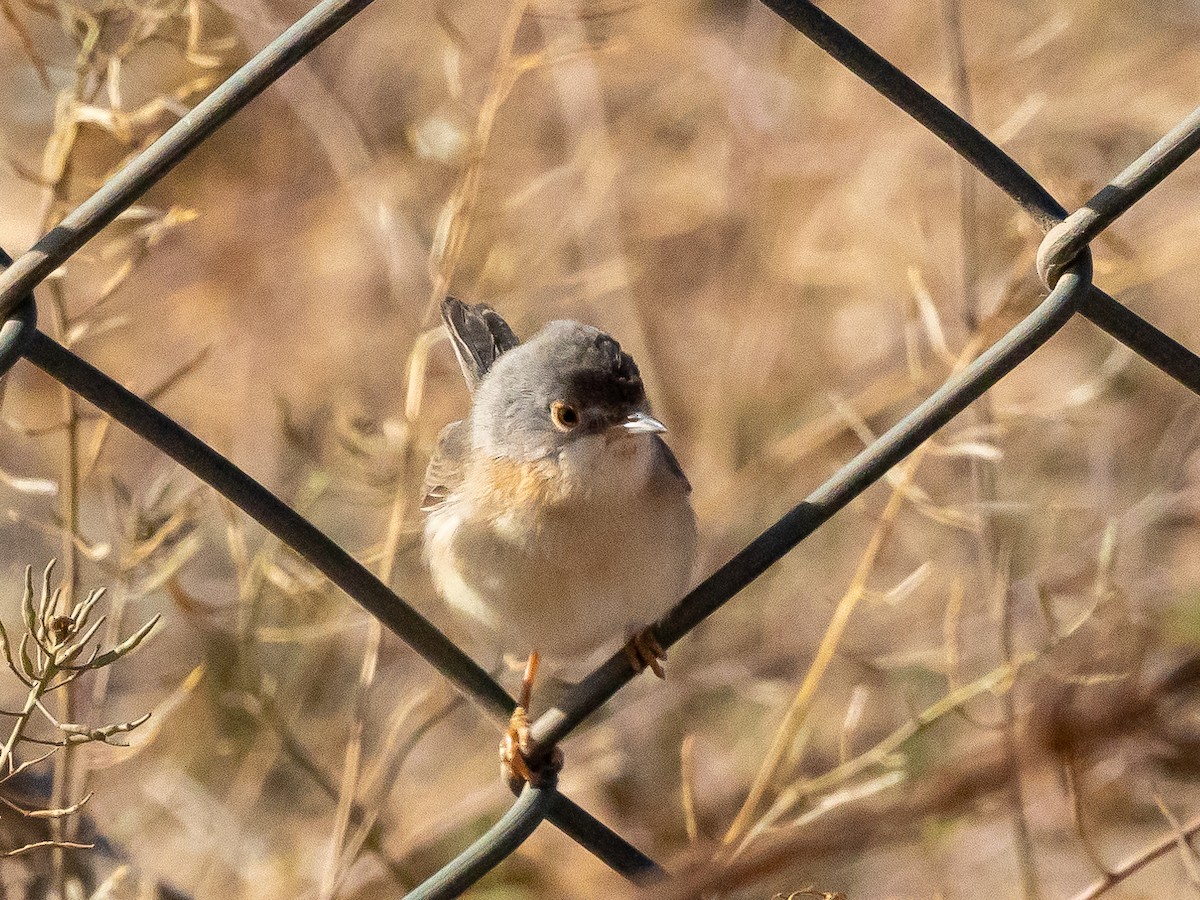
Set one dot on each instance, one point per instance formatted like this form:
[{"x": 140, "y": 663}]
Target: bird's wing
[
  {"x": 479, "y": 336},
  {"x": 672, "y": 463},
  {"x": 444, "y": 473}
]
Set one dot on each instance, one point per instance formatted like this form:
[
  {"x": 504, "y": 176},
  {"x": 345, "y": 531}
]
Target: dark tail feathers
[{"x": 479, "y": 336}]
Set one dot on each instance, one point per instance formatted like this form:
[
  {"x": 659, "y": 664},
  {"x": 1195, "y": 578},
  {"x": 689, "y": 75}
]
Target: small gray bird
[{"x": 558, "y": 517}]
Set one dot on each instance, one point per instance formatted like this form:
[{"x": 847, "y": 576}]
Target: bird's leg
[
  {"x": 515, "y": 745},
  {"x": 527, "y": 680},
  {"x": 644, "y": 651}
]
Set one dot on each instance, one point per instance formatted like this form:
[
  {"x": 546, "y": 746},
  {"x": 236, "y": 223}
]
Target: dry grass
[{"x": 783, "y": 253}]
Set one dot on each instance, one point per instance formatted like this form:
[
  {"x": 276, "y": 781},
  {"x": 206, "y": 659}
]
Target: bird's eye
[{"x": 564, "y": 416}]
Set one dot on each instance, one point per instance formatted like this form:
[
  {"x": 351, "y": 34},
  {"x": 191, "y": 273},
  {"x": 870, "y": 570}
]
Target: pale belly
[{"x": 586, "y": 577}]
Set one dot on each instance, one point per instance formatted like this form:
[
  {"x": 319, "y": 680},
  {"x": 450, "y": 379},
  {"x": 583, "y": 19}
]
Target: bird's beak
[{"x": 641, "y": 423}]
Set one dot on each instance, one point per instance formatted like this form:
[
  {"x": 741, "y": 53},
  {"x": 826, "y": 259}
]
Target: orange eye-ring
[{"x": 563, "y": 415}]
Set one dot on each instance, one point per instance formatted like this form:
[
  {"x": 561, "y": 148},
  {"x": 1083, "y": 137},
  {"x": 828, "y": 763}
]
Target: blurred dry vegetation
[{"x": 794, "y": 264}]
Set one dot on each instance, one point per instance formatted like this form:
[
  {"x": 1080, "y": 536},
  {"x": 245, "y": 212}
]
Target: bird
[{"x": 557, "y": 516}]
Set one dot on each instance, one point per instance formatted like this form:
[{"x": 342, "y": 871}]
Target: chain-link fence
[{"x": 1063, "y": 262}]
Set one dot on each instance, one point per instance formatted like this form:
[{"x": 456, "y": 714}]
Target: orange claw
[
  {"x": 644, "y": 651},
  {"x": 514, "y": 768}
]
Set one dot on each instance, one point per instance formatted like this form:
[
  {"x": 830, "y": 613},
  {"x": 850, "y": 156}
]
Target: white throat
[{"x": 608, "y": 466}]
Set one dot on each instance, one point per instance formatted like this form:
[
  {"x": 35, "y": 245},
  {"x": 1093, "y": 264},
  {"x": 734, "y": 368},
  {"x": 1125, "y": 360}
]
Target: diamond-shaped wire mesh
[{"x": 1063, "y": 262}]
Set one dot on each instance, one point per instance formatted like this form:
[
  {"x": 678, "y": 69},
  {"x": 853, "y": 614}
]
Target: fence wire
[{"x": 1063, "y": 262}]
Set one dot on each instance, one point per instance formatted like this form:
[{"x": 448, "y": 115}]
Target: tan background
[{"x": 777, "y": 246}]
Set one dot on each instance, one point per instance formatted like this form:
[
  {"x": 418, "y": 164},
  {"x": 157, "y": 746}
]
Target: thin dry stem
[
  {"x": 797, "y": 714},
  {"x": 51, "y": 845},
  {"x": 687, "y": 785},
  {"x": 456, "y": 214},
  {"x": 1079, "y": 817},
  {"x": 884, "y": 753},
  {"x": 1187, "y": 853},
  {"x": 338, "y": 861},
  {"x": 1140, "y": 860},
  {"x": 801, "y": 705},
  {"x": 983, "y": 477}
]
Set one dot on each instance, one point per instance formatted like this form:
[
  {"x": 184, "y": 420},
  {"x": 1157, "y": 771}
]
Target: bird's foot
[
  {"x": 645, "y": 652},
  {"x": 514, "y": 767},
  {"x": 516, "y": 746}
]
